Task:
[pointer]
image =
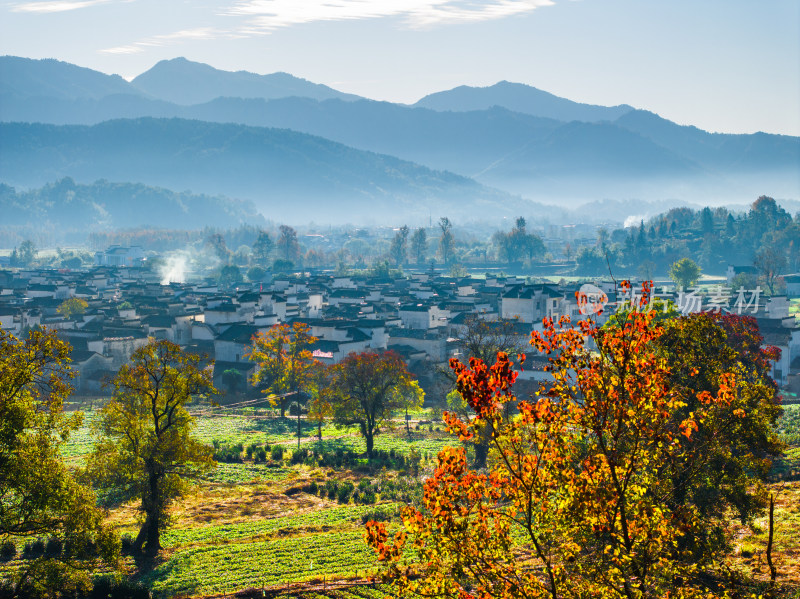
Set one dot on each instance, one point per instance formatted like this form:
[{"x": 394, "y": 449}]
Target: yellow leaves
[{"x": 576, "y": 489}]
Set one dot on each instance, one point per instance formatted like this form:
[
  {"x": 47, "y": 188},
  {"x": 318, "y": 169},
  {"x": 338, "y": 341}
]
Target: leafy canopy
[
  {"x": 145, "y": 449},
  {"x": 599, "y": 486},
  {"x": 367, "y": 388},
  {"x": 286, "y": 364},
  {"x": 685, "y": 273},
  {"x": 73, "y": 306},
  {"x": 40, "y": 494}
]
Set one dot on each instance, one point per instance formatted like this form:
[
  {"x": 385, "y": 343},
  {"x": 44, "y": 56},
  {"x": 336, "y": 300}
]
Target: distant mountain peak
[
  {"x": 520, "y": 97},
  {"x": 186, "y": 82},
  {"x": 49, "y": 77}
]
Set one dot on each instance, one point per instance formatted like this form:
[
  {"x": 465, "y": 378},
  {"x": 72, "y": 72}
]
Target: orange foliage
[{"x": 578, "y": 499}]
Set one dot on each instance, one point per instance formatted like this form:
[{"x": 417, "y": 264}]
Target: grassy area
[
  {"x": 248, "y": 524},
  {"x": 272, "y": 522},
  {"x": 750, "y": 548}
]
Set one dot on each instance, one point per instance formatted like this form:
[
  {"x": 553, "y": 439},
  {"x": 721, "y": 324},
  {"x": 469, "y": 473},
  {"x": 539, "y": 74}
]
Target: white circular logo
[{"x": 591, "y": 299}]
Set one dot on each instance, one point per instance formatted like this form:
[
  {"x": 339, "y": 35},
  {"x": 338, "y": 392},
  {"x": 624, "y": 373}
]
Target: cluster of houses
[{"x": 422, "y": 317}]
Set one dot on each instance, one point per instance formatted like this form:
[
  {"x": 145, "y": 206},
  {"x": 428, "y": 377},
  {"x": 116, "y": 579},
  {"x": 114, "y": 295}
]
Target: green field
[
  {"x": 275, "y": 522},
  {"x": 265, "y": 523}
]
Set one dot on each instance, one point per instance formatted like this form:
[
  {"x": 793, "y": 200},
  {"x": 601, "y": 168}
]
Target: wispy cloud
[
  {"x": 54, "y": 5},
  {"x": 259, "y": 17},
  {"x": 167, "y": 39},
  {"x": 268, "y": 15}
]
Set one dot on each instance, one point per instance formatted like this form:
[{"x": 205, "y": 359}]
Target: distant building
[
  {"x": 117, "y": 255},
  {"x": 734, "y": 270},
  {"x": 792, "y": 285}
]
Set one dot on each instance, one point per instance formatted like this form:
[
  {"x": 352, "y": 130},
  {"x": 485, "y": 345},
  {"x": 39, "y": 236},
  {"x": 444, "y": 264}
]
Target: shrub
[
  {"x": 127, "y": 543},
  {"x": 33, "y": 549},
  {"x": 54, "y": 546},
  {"x": 344, "y": 492},
  {"x": 331, "y": 487},
  {"x": 228, "y": 454},
  {"x": 108, "y": 588},
  {"x": 299, "y": 456},
  {"x": 8, "y": 550},
  {"x": 378, "y": 515},
  {"x": 260, "y": 455},
  {"x": 277, "y": 453}
]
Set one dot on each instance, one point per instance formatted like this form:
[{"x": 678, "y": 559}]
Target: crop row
[
  {"x": 244, "y": 473},
  {"x": 363, "y": 592},
  {"x": 231, "y": 430},
  {"x": 337, "y": 517},
  {"x": 427, "y": 447},
  {"x": 228, "y": 567}
]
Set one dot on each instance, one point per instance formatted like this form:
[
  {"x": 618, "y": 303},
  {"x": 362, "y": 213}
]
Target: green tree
[
  {"x": 281, "y": 265},
  {"x": 367, "y": 388},
  {"x": 216, "y": 243},
  {"x": 27, "y": 253},
  {"x": 232, "y": 379},
  {"x": 419, "y": 245},
  {"x": 145, "y": 449},
  {"x": 399, "y": 248},
  {"x": 39, "y": 493},
  {"x": 446, "y": 241},
  {"x": 518, "y": 243},
  {"x": 262, "y": 249},
  {"x": 685, "y": 273},
  {"x": 255, "y": 274},
  {"x": 73, "y": 306},
  {"x": 229, "y": 275},
  {"x": 287, "y": 243}
]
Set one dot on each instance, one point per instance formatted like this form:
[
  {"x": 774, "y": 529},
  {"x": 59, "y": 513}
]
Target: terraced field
[{"x": 269, "y": 523}]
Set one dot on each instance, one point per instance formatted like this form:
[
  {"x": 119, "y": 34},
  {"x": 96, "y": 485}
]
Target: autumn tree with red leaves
[{"x": 592, "y": 490}]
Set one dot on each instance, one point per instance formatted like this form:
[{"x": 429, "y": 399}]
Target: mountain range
[
  {"x": 103, "y": 205},
  {"x": 287, "y": 175},
  {"x": 508, "y": 136}
]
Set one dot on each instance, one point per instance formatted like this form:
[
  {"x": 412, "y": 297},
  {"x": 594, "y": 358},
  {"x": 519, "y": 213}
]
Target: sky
[{"x": 731, "y": 66}]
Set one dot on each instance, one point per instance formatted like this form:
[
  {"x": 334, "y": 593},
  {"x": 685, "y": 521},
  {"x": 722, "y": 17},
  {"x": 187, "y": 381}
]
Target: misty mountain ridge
[
  {"x": 179, "y": 81},
  {"x": 487, "y": 134},
  {"x": 287, "y": 175},
  {"x": 186, "y": 82},
  {"x": 24, "y": 78},
  {"x": 519, "y": 97},
  {"x": 544, "y": 159},
  {"x": 104, "y": 205}
]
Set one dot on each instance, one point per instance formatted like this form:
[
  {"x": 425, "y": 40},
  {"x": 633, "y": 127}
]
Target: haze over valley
[{"x": 295, "y": 148}]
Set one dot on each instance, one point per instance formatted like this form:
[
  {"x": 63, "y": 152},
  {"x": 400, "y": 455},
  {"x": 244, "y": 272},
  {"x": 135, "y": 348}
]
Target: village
[{"x": 423, "y": 316}]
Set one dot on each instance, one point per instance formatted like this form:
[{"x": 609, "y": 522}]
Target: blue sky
[{"x": 722, "y": 65}]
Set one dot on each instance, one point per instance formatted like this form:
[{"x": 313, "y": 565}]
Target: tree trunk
[
  {"x": 154, "y": 535},
  {"x": 481, "y": 453},
  {"x": 368, "y": 437},
  {"x": 149, "y": 535},
  {"x": 142, "y": 536},
  {"x": 773, "y": 573}
]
